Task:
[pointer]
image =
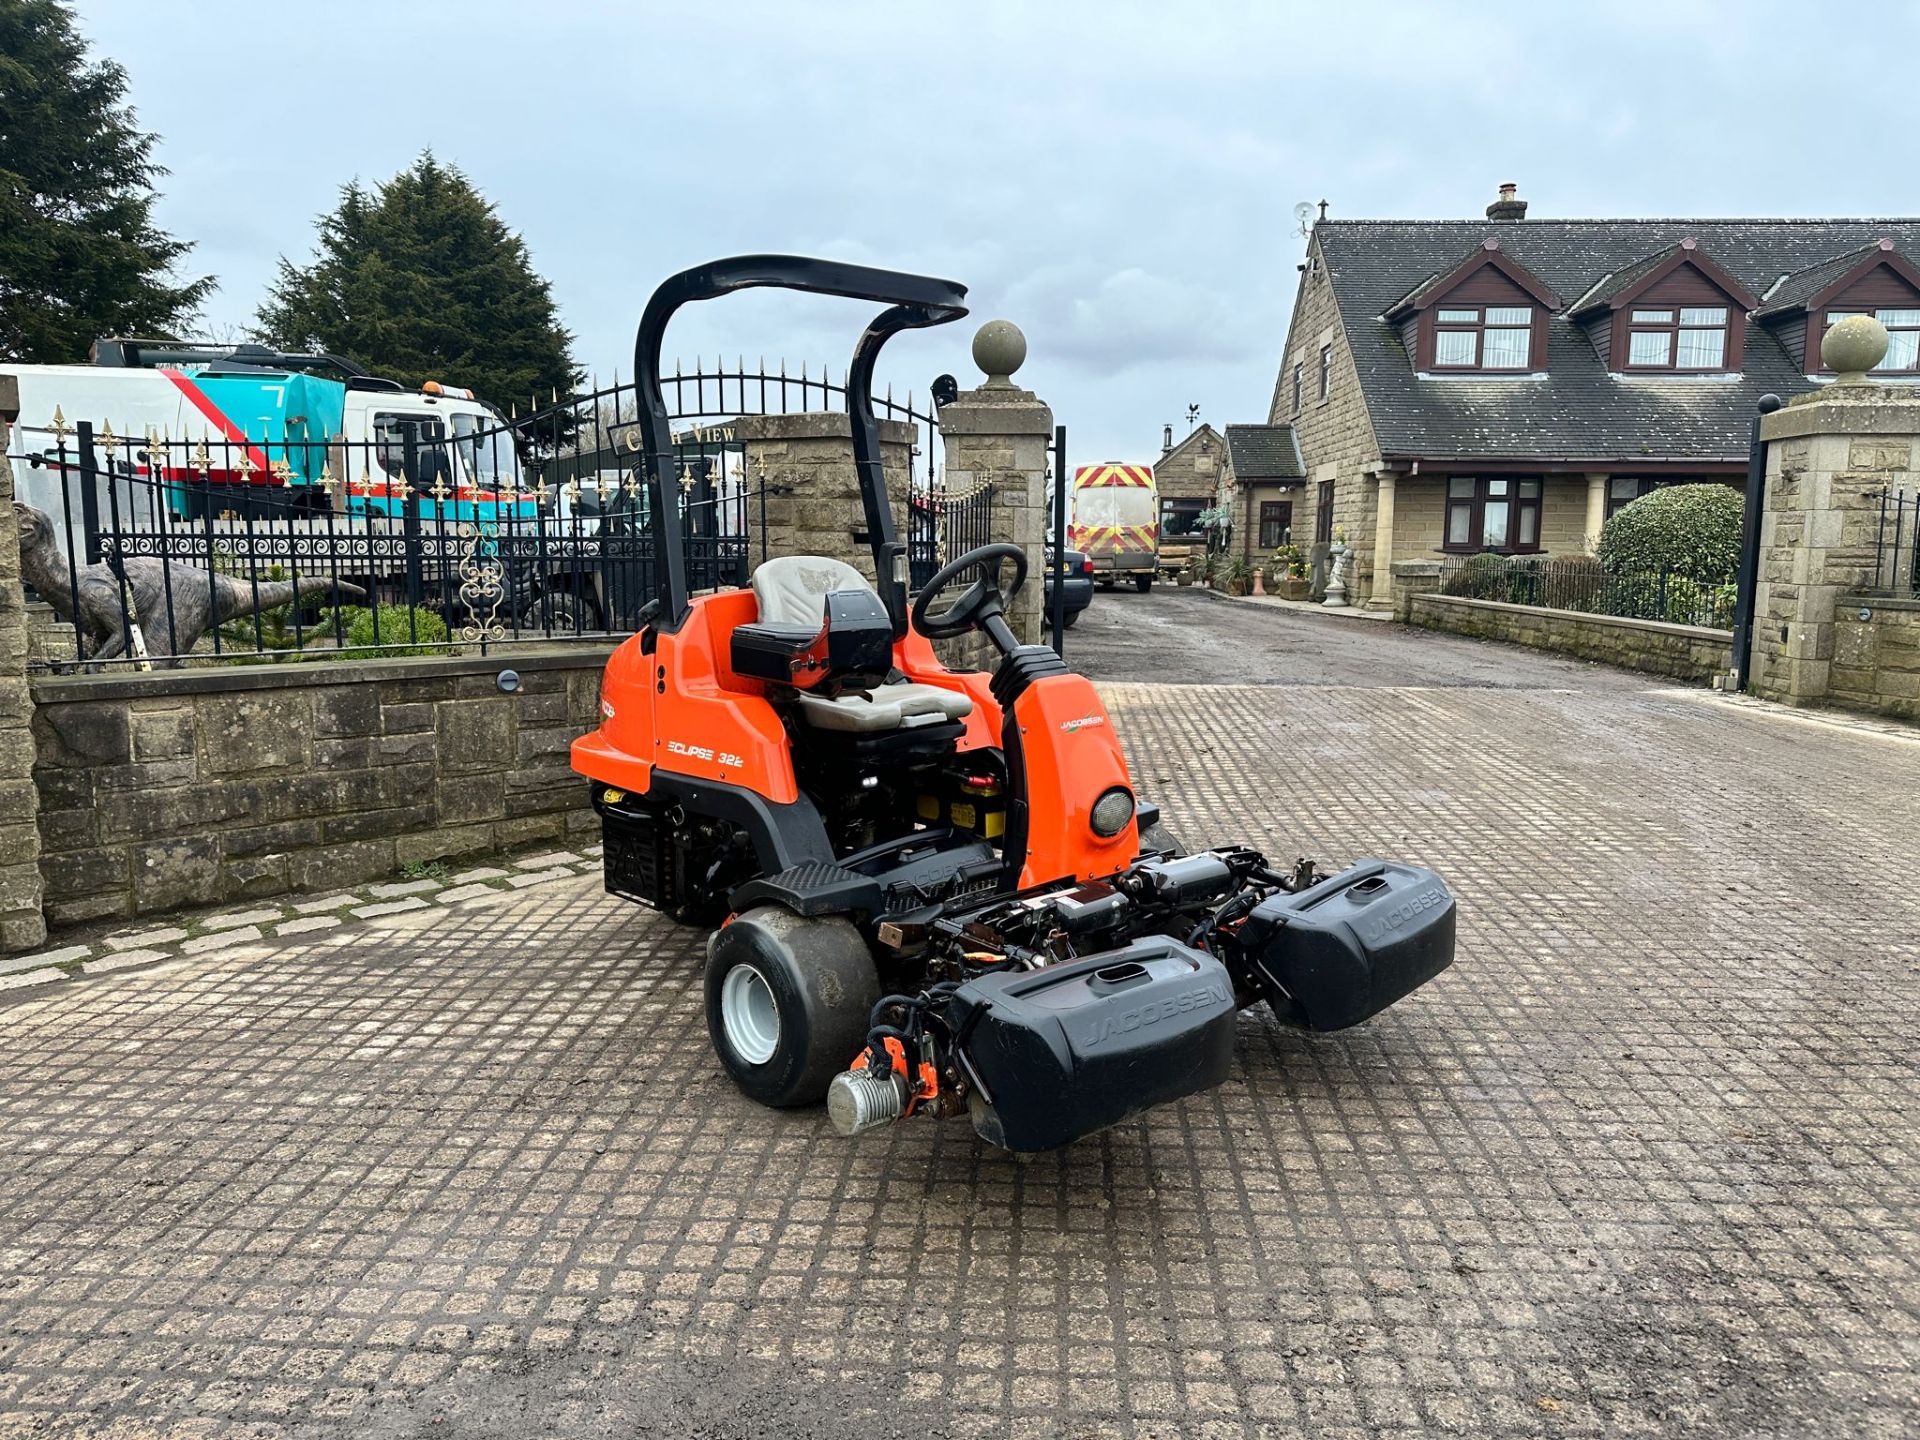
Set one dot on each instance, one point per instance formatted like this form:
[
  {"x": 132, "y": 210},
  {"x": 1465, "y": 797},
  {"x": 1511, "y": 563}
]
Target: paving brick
[
  {"x": 21, "y": 979},
  {"x": 479, "y": 872},
  {"x": 1644, "y": 1162},
  {"x": 465, "y": 892},
  {"x": 548, "y": 861},
  {"x": 403, "y": 887},
  {"x": 124, "y": 960},
  {"x": 540, "y": 877},
  {"x": 219, "y": 940},
  {"x": 325, "y": 902},
  {"x": 145, "y": 939},
  {"x": 389, "y": 907},
  {"x": 62, "y": 956},
  {"x": 307, "y": 925},
  {"x": 239, "y": 918}
]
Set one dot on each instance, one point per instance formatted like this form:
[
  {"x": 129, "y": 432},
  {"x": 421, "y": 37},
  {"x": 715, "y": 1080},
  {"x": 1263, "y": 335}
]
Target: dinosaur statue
[{"x": 89, "y": 596}]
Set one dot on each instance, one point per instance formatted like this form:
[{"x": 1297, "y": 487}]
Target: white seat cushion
[
  {"x": 885, "y": 707},
  {"x": 793, "y": 589}
]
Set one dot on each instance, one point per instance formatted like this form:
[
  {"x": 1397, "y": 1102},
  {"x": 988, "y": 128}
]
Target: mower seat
[
  {"x": 901, "y": 705},
  {"x": 792, "y": 594}
]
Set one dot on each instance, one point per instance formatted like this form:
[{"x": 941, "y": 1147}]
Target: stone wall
[
  {"x": 21, "y": 925},
  {"x": 192, "y": 787},
  {"x": 1876, "y": 659},
  {"x": 1686, "y": 652}
]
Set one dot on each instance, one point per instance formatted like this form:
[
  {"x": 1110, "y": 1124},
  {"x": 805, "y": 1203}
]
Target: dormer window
[
  {"x": 1903, "y": 338},
  {"x": 1678, "y": 337},
  {"x": 1486, "y": 316},
  {"x": 1482, "y": 337}
]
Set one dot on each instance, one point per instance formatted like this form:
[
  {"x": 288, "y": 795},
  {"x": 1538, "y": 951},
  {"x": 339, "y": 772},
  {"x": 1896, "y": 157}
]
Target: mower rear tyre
[{"x": 789, "y": 1000}]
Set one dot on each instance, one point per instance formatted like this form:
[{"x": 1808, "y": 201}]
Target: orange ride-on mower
[{"x": 936, "y": 890}]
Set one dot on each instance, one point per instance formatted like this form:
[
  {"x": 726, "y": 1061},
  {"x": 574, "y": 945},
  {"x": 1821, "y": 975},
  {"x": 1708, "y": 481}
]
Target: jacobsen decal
[
  {"x": 701, "y": 752},
  {"x": 1152, "y": 1012},
  {"x": 1400, "y": 914},
  {"x": 1082, "y": 723}
]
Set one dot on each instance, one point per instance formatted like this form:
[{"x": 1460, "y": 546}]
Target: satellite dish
[{"x": 1302, "y": 213}]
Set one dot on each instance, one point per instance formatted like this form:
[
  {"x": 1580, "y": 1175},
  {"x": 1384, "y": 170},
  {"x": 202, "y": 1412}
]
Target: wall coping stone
[
  {"x": 996, "y": 412},
  {"x": 156, "y": 684},
  {"x": 1624, "y": 622},
  {"x": 1417, "y": 567},
  {"x": 1876, "y": 409},
  {"x": 816, "y": 425}
]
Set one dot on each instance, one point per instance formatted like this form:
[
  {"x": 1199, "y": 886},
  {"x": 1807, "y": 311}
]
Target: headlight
[{"x": 1111, "y": 812}]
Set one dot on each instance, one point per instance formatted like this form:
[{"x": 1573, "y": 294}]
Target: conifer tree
[{"x": 80, "y": 257}]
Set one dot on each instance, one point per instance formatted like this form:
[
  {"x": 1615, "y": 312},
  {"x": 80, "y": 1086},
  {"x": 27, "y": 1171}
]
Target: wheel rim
[{"x": 749, "y": 1015}]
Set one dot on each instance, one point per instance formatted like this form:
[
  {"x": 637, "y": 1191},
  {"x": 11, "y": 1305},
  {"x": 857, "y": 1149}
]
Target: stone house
[
  {"x": 1187, "y": 479},
  {"x": 1460, "y": 386}
]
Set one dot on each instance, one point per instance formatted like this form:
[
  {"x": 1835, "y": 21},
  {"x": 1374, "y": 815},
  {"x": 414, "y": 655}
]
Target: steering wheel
[{"x": 984, "y": 599}]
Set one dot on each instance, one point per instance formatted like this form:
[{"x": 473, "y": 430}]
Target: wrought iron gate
[{"x": 533, "y": 528}]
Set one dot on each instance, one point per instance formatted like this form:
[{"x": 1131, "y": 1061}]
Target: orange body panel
[
  {"x": 1072, "y": 758},
  {"x": 684, "y": 710}
]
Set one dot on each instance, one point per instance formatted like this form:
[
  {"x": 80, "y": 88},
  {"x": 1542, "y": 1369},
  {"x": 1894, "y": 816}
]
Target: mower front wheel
[{"x": 789, "y": 1000}]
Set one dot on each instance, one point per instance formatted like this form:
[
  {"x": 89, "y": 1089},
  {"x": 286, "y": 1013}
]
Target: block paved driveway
[{"x": 1643, "y": 1163}]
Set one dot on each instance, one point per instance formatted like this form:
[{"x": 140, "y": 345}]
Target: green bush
[
  {"x": 1691, "y": 530},
  {"x": 428, "y": 632}
]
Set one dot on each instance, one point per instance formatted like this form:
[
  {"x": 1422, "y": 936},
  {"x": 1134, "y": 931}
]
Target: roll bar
[{"x": 913, "y": 301}]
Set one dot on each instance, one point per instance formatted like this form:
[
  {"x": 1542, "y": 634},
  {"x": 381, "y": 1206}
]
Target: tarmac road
[{"x": 1182, "y": 636}]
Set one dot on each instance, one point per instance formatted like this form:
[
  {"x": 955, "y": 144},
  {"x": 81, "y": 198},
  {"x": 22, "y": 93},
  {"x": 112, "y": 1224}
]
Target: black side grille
[{"x": 638, "y": 858}]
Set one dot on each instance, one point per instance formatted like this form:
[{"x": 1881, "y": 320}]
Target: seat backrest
[{"x": 792, "y": 590}]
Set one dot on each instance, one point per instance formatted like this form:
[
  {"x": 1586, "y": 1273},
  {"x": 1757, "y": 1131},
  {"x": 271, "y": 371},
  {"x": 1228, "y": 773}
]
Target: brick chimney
[{"x": 1508, "y": 206}]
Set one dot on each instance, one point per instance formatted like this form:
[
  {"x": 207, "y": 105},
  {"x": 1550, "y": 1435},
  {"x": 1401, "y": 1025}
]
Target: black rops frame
[{"x": 916, "y": 301}]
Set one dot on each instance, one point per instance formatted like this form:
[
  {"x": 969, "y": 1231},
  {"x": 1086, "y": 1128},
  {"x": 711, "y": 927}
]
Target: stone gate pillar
[
  {"x": 1830, "y": 454},
  {"x": 1001, "y": 434},
  {"x": 805, "y": 463},
  {"x": 22, "y": 926}
]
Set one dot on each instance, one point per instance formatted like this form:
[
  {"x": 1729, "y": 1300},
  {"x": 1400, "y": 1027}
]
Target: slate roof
[
  {"x": 1578, "y": 411},
  {"x": 1802, "y": 285},
  {"x": 1264, "y": 452},
  {"x": 1617, "y": 282}
]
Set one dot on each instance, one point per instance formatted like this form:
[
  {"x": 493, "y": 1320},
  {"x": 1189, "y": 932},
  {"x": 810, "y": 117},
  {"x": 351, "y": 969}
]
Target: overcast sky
[{"x": 1117, "y": 179}]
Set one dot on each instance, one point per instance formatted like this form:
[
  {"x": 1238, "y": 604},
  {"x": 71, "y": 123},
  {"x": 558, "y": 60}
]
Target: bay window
[
  {"x": 1483, "y": 337},
  {"x": 1492, "y": 512},
  {"x": 1677, "y": 337},
  {"x": 1903, "y": 337}
]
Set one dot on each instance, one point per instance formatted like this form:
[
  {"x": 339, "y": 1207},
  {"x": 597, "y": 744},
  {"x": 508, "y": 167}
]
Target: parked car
[{"x": 1079, "y": 581}]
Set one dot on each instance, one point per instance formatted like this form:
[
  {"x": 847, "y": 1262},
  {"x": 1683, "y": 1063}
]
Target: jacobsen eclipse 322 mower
[{"x": 939, "y": 891}]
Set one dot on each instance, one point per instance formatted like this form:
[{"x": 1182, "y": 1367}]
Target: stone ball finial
[
  {"x": 1852, "y": 347},
  {"x": 999, "y": 349}
]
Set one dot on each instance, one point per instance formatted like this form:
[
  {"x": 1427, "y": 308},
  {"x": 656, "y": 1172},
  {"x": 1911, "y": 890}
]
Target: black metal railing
[
  {"x": 1581, "y": 582},
  {"x": 942, "y": 526},
  {"x": 1896, "y": 551},
  {"x": 423, "y": 534}
]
